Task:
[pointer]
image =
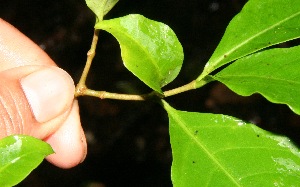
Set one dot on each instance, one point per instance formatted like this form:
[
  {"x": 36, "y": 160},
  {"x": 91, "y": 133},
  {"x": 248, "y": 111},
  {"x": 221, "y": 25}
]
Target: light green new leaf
[
  {"x": 101, "y": 7},
  {"x": 219, "y": 150},
  {"x": 149, "y": 49},
  {"x": 260, "y": 24},
  {"x": 19, "y": 155},
  {"x": 273, "y": 73}
]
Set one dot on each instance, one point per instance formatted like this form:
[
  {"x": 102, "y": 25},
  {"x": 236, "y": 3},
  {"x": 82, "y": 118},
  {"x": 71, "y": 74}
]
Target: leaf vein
[
  {"x": 255, "y": 36},
  {"x": 183, "y": 125}
]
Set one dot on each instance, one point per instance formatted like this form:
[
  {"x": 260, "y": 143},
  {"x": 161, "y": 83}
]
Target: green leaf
[
  {"x": 219, "y": 150},
  {"x": 20, "y": 154},
  {"x": 101, "y": 7},
  {"x": 149, "y": 49},
  {"x": 273, "y": 73},
  {"x": 260, "y": 24}
]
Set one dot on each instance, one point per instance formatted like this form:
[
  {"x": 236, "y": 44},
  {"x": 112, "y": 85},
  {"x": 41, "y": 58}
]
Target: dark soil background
[{"x": 128, "y": 142}]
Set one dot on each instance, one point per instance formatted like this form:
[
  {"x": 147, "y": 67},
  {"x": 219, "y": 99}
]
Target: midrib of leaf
[
  {"x": 19, "y": 157},
  {"x": 262, "y": 77},
  {"x": 101, "y": 14},
  {"x": 249, "y": 39},
  {"x": 146, "y": 52},
  {"x": 183, "y": 125}
]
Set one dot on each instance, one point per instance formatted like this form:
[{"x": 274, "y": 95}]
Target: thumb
[
  {"x": 39, "y": 101},
  {"x": 31, "y": 97}
]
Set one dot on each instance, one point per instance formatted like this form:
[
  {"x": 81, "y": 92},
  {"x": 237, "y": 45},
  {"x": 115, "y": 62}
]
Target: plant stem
[
  {"x": 117, "y": 96},
  {"x": 190, "y": 86},
  {"x": 153, "y": 95},
  {"x": 81, "y": 86},
  {"x": 184, "y": 88}
]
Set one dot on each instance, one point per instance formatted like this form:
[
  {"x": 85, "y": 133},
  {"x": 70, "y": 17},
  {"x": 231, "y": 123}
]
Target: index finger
[{"x": 18, "y": 50}]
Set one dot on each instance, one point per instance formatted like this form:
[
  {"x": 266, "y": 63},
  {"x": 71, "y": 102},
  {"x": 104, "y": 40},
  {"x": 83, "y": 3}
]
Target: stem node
[{"x": 80, "y": 90}]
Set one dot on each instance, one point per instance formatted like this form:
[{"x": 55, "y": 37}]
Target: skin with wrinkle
[{"x": 19, "y": 57}]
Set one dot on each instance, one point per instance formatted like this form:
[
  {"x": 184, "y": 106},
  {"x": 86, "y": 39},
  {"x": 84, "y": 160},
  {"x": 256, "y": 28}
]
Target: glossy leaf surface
[
  {"x": 19, "y": 156},
  {"x": 219, "y": 150},
  {"x": 260, "y": 24},
  {"x": 273, "y": 73},
  {"x": 150, "y": 49},
  {"x": 101, "y": 7}
]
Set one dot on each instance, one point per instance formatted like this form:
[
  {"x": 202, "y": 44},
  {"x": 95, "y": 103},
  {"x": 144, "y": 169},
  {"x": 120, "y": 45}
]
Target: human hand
[{"x": 37, "y": 98}]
